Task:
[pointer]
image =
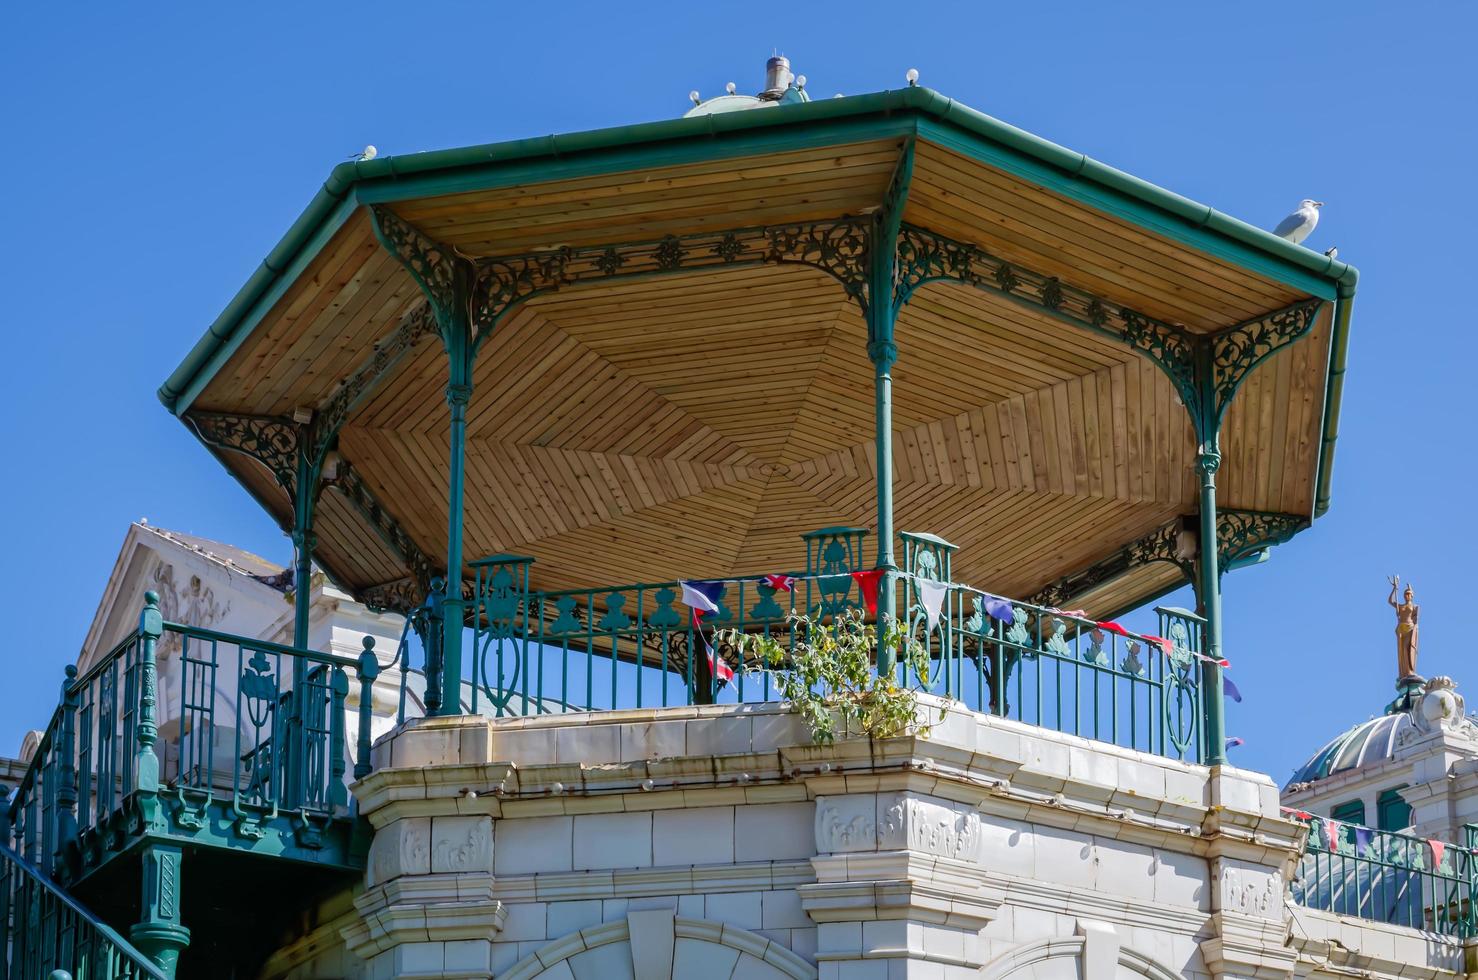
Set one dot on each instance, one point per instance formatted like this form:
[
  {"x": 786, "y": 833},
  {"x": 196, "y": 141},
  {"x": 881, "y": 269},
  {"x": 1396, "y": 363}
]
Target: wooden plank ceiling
[{"x": 694, "y": 425}]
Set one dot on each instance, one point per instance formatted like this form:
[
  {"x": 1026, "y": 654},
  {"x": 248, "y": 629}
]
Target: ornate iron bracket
[
  {"x": 1236, "y": 351},
  {"x": 273, "y": 442},
  {"x": 925, "y": 257},
  {"x": 1239, "y": 534},
  {"x": 349, "y": 483},
  {"x": 414, "y": 326},
  {"x": 441, "y": 271}
]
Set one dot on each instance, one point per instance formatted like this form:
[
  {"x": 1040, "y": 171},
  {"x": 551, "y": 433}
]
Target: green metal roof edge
[{"x": 1196, "y": 224}]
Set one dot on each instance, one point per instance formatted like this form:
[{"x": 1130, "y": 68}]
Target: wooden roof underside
[{"x": 696, "y": 424}]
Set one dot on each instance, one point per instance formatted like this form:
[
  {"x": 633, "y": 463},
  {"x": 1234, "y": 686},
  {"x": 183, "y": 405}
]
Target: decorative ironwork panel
[
  {"x": 924, "y": 257},
  {"x": 414, "y": 326},
  {"x": 1242, "y": 532},
  {"x": 273, "y": 442},
  {"x": 435, "y": 267},
  {"x": 348, "y": 482},
  {"x": 838, "y": 247},
  {"x": 1237, "y": 351}
]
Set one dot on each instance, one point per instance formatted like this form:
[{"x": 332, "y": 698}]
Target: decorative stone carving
[
  {"x": 1441, "y": 707},
  {"x": 402, "y": 848},
  {"x": 1251, "y": 892},
  {"x": 461, "y": 844},
  {"x": 846, "y": 823},
  {"x": 933, "y": 827},
  {"x": 192, "y": 603}
]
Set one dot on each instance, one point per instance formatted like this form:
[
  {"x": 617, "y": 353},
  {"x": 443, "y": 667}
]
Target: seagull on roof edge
[
  {"x": 368, "y": 153},
  {"x": 1297, "y": 226}
]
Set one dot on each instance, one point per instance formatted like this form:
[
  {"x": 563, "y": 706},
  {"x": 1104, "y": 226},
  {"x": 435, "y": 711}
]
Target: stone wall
[{"x": 717, "y": 842}]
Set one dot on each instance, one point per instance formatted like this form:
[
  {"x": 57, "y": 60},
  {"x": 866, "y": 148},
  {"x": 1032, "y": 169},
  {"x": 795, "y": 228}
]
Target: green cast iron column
[
  {"x": 458, "y": 394},
  {"x": 303, "y": 543},
  {"x": 883, "y": 352},
  {"x": 1207, "y": 462},
  {"x": 159, "y": 934}
]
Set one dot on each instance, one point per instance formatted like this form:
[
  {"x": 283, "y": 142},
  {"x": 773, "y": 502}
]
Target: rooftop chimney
[{"x": 777, "y": 78}]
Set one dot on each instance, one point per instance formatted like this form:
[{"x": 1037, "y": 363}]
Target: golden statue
[{"x": 1406, "y": 616}]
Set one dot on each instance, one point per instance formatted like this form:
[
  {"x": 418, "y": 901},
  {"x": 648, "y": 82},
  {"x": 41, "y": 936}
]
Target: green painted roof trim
[{"x": 627, "y": 147}]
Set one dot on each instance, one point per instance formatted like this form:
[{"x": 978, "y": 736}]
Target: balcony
[{"x": 238, "y": 766}]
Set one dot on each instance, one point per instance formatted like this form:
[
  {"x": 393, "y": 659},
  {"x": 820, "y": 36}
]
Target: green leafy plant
[{"x": 825, "y": 671}]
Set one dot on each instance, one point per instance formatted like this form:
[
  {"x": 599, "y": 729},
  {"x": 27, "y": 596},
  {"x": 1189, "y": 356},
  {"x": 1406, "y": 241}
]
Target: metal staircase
[{"x": 45, "y": 934}]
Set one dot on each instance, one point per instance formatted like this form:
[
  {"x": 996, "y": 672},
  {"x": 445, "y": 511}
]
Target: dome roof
[{"x": 1368, "y": 742}]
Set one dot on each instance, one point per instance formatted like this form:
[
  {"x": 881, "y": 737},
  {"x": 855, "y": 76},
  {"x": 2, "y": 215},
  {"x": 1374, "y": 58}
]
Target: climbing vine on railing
[{"x": 824, "y": 670}]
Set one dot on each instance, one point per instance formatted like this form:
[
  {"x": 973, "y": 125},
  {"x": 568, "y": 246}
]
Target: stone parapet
[{"x": 986, "y": 846}]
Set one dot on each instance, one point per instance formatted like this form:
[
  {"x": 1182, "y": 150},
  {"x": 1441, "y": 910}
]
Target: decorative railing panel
[
  {"x": 1386, "y": 876},
  {"x": 234, "y": 731},
  {"x": 42, "y": 930},
  {"x": 660, "y": 644}
]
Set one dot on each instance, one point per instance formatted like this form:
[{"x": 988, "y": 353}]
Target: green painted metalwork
[
  {"x": 629, "y": 646},
  {"x": 43, "y": 929},
  {"x": 1389, "y": 877},
  {"x": 832, "y": 555},
  {"x": 159, "y": 934},
  {"x": 403, "y": 595},
  {"x": 223, "y": 777},
  {"x": 1240, "y": 534},
  {"x": 447, "y": 279},
  {"x": 882, "y": 350}
]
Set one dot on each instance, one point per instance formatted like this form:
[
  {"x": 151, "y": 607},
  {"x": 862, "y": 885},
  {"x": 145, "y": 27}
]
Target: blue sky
[{"x": 152, "y": 155}]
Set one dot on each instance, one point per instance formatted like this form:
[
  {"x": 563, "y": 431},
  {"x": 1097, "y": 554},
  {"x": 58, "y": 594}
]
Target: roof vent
[{"x": 777, "y": 78}]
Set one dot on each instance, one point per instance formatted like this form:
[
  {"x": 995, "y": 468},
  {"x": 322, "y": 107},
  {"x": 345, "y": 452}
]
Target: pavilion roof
[{"x": 696, "y": 420}]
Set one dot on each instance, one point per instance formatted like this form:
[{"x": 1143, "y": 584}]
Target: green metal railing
[
  {"x": 1387, "y": 877},
  {"x": 223, "y": 735},
  {"x": 537, "y": 652},
  {"x": 43, "y": 930}
]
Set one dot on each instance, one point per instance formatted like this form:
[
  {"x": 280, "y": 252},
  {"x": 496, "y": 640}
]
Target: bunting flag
[
  {"x": 780, "y": 583},
  {"x": 1364, "y": 837},
  {"x": 1234, "y": 741},
  {"x": 702, "y": 597},
  {"x": 1166, "y": 647},
  {"x": 1112, "y": 628},
  {"x": 931, "y": 597},
  {"x": 1230, "y": 690},
  {"x": 867, "y": 584},
  {"x": 1331, "y": 834},
  {"x": 998, "y": 608},
  {"x": 1070, "y": 613},
  {"x": 1437, "y": 848}
]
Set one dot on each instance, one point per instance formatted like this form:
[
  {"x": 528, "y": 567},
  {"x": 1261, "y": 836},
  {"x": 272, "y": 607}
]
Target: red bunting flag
[
  {"x": 780, "y": 583},
  {"x": 867, "y": 584},
  {"x": 1331, "y": 832},
  {"x": 1112, "y": 628},
  {"x": 1166, "y": 647},
  {"x": 1437, "y": 848}
]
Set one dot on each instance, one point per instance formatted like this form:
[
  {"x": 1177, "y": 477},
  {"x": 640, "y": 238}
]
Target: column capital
[
  {"x": 458, "y": 395},
  {"x": 883, "y": 353}
]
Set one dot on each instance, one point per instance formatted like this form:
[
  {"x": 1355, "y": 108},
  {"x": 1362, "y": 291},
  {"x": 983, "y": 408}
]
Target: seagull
[
  {"x": 1297, "y": 226},
  {"x": 368, "y": 153}
]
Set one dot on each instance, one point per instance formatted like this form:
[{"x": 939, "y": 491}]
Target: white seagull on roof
[{"x": 1297, "y": 226}]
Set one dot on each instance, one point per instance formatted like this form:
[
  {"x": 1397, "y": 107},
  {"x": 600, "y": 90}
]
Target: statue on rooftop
[{"x": 1406, "y": 617}]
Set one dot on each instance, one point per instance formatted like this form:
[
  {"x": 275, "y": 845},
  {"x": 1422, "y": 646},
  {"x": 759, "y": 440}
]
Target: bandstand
[{"x": 812, "y": 354}]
